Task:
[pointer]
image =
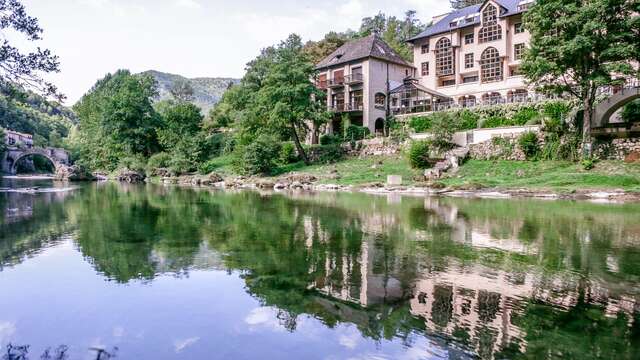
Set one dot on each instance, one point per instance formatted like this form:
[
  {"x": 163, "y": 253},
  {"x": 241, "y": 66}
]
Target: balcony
[
  {"x": 335, "y": 82},
  {"x": 355, "y": 78},
  {"x": 341, "y": 107}
]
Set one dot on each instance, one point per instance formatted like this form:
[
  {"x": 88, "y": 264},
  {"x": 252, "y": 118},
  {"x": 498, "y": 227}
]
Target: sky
[{"x": 193, "y": 38}]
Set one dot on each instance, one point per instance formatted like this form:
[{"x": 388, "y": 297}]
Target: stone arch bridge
[
  {"x": 601, "y": 121},
  {"x": 13, "y": 155}
]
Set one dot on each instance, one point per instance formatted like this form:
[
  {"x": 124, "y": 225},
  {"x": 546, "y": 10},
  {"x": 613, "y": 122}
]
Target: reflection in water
[{"x": 485, "y": 278}]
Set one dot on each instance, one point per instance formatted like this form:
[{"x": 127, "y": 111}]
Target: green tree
[
  {"x": 182, "y": 90},
  {"x": 117, "y": 120},
  {"x": 578, "y": 46},
  {"x": 181, "y": 134},
  {"x": 461, "y": 4},
  {"x": 288, "y": 96},
  {"x": 394, "y": 31},
  {"x": 3, "y": 142},
  {"x": 318, "y": 50}
]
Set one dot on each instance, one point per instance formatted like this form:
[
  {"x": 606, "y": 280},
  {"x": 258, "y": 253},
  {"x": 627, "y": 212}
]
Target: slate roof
[
  {"x": 509, "y": 8},
  {"x": 371, "y": 46}
]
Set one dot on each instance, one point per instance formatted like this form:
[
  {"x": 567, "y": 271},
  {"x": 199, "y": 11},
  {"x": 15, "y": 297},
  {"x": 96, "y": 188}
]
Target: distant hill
[{"x": 206, "y": 91}]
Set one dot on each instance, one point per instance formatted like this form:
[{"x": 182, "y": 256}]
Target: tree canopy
[
  {"x": 460, "y": 4},
  {"x": 17, "y": 67},
  {"x": 578, "y": 46}
]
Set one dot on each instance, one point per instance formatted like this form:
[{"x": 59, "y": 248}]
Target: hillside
[
  {"x": 30, "y": 113},
  {"x": 207, "y": 91}
]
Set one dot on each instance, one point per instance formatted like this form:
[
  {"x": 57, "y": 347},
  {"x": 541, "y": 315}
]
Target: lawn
[{"x": 552, "y": 175}]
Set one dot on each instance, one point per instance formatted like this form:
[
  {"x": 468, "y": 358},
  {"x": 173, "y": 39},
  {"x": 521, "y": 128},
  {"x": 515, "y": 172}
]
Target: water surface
[{"x": 147, "y": 272}]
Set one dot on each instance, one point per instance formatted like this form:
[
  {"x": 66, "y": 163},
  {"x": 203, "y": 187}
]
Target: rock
[
  {"x": 301, "y": 178},
  {"x": 296, "y": 185},
  {"x": 520, "y": 173},
  {"x": 394, "y": 180},
  {"x": 633, "y": 156},
  {"x": 265, "y": 185},
  {"x": 73, "y": 173},
  {"x": 280, "y": 186},
  {"x": 130, "y": 176}
]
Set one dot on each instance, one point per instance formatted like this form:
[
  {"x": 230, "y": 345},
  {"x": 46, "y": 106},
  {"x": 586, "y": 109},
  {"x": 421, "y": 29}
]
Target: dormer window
[
  {"x": 490, "y": 30},
  {"x": 489, "y": 15}
]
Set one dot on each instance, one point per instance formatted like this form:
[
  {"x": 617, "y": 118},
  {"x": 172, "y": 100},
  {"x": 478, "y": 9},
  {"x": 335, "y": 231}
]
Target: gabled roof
[
  {"x": 468, "y": 16},
  {"x": 371, "y": 46}
]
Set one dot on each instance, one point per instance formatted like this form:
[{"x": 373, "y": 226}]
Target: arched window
[
  {"x": 444, "y": 57},
  {"x": 467, "y": 101},
  {"x": 492, "y": 98},
  {"x": 380, "y": 99},
  {"x": 491, "y": 65},
  {"x": 490, "y": 30}
]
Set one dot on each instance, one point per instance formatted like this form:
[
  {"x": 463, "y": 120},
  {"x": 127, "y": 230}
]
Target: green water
[{"x": 146, "y": 272}]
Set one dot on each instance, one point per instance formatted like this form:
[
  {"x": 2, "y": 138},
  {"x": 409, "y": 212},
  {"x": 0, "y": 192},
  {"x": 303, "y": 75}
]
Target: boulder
[
  {"x": 73, "y": 173},
  {"x": 301, "y": 178},
  {"x": 131, "y": 176},
  {"x": 633, "y": 156}
]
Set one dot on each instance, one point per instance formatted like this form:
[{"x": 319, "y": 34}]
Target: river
[{"x": 105, "y": 270}]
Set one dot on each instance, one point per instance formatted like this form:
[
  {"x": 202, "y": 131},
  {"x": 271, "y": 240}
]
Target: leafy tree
[
  {"x": 318, "y": 50},
  {"x": 578, "y": 46},
  {"x": 288, "y": 96},
  {"x": 25, "y": 69},
  {"x": 3, "y": 142},
  {"x": 461, "y": 4},
  {"x": 117, "y": 120},
  {"x": 394, "y": 31},
  {"x": 181, "y": 134},
  {"x": 182, "y": 90}
]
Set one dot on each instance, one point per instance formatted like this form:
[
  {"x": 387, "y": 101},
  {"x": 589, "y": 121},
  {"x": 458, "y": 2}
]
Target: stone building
[
  {"x": 471, "y": 56},
  {"x": 15, "y": 139},
  {"x": 357, "y": 78}
]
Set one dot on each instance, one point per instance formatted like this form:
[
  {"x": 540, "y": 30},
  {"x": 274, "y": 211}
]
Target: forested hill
[
  {"x": 27, "y": 112},
  {"x": 206, "y": 91}
]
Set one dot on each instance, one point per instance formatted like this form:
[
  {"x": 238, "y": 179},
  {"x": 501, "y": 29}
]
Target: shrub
[
  {"x": 443, "y": 126},
  {"x": 326, "y": 154},
  {"x": 529, "y": 144},
  {"x": 496, "y": 121},
  {"x": 288, "y": 154},
  {"x": 505, "y": 146},
  {"x": 556, "y": 110},
  {"x": 419, "y": 155},
  {"x": 157, "y": 161},
  {"x": 134, "y": 163},
  {"x": 209, "y": 166},
  {"x": 329, "y": 139},
  {"x": 420, "y": 124},
  {"x": 258, "y": 158},
  {"x": 468, "y": 120},
  {"x": 631, "y": 111},
  {"x": 526, "y": 116},
  {"x": 588, "y": 164},
  {"x": 355, "y": 132},
  {"x": 180, "y": 164}
]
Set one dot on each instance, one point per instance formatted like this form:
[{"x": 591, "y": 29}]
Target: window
[
  {"x": 490, "y": 30},
  {"x": 515, "y": 72},
  {"x": 424, "y": 48},
  {"x": 444, "y": 57},
  {"x": 453, "y": 24},
  {"x": 468, "y": 61},
  {"x": 448, "y": 82},
  {"x": 380, "y": 99},
  {"x": 518, "y": 51},
  {"x": 491, "y": 65},
  {"x": 518, "y": 28},
  {"x": 425, "y": 68},
  {"x": 470, "y": 79},
  {"x": 468, "y": 39}
]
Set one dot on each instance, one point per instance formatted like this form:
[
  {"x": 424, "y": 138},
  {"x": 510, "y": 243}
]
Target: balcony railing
[
  {"x": 335, "y": 82},
  {"x": 419, "y": 107},
  {"x": 355, "y": 78},
  {"x": 355, "y": 107},
  {"x": 346, "y": 107}
]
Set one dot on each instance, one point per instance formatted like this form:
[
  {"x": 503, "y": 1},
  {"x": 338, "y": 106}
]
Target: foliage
[
  {"x": 180, "y": 134},
  {"x": 182, "y": 90},
  {"x": 25, "y": 69},
  {"x": 588, "y": 164},
  {"x": 326, "y": 154},
  {"x": 468, "y": 120},
  {"x": 505, "y": 146},
  {"x": 631, "y": 112},
  {"x": 258, "y": 158},
  {"x": 526, "y": 116},
  {"x": 288, "y": 153},
  {"x": 158, "y": 161},
  {"x": 420, "y": 124},
  {"x": 356, "y": 133},
  {"x": 419, "y": 155},
  {"x": 117, "y": 120},
  {"x": 528, "y": 142},
  {"x": 3, "y": 142},
  {"x": 318, "y": 50},
  {"x": 460, "y": 4},
  {"x": 497, "y": 121},
  {"x": 578, "y": 46},
  {"x": 328, "y": 139},
  {"x": 394, "y": 31},
  {"x": 443, "y": 126},
  {"x": 135, "y": 163}
]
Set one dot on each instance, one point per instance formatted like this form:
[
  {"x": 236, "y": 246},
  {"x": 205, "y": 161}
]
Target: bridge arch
[
  {"x": 31, "y": 152},
  {"x": 608, "y": 107}
]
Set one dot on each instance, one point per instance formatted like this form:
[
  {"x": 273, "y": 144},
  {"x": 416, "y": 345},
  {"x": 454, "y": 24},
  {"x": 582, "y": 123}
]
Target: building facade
[
  {"x": 357, "y": 78},
  {"x": 472, "y": 56},
  {"x": 14, "y": 139}
]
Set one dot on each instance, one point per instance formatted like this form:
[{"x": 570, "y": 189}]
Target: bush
[
  {"x": 259, "y": 157},
  {"x": 420, "y": 124},
  {"x": 496, "y": 121},
  {"x": 526, "y": 116},
  {"x": 179, "y": 164},
  {"x": 419, "y": 155},
  {"x": 135, "y": 163},
  {"x": 355, "y": 133},
  {"x": 329, "y": 139},
  {"x": 288, "y": 154},
  {"x": 468, "y": 120},
  {"x": 529, "y": 144},
  {"x": 631, "y": 111},
  {"x": 157, "y": 161},
  {"x": 588, "y": 164},
  {"x": 443, "y": 126},
  {"x": 326, "y": 154}
]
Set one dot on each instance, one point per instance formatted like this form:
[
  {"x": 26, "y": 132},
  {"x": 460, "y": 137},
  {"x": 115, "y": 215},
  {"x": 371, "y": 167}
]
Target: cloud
[
  {"x": 189, "y": 4},
  {"x": 7, "y": 329},
  {"x": 265, "y": 317},
  {"x": 180, "y": 345}
]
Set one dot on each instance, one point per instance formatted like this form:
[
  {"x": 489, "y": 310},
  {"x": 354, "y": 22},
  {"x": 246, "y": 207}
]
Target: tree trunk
[
  {"x": 299, "y": 147},
  {"x": 586, "y": 127},
  {"x": 314, "y": 133}
]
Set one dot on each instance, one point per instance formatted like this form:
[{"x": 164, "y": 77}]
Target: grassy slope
[{"x": 551, "y": 175}]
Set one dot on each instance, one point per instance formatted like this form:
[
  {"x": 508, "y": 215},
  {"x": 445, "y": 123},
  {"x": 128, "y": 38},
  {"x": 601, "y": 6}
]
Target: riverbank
[{"x": 607, "y": 181}]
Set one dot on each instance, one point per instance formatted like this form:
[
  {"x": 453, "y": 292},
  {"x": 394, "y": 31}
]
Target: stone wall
[
  {"x": 499, "y": 148},
  {"x": 616, "y": 149},
  {"x": 374, "y": 147}
]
